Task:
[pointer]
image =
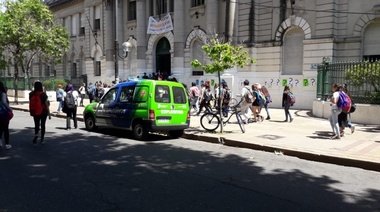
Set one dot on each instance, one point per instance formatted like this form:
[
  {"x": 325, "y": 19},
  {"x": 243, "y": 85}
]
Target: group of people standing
[{"x": 201, "y": 98}]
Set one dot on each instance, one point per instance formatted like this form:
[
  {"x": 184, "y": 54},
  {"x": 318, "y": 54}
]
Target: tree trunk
[{"x": 15, "y": 85}]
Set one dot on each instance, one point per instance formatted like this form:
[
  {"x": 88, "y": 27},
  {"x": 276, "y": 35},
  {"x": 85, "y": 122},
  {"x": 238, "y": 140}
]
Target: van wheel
[
  {"x": 175, "y": 133},
  {"x": 139, "y": 131},
  {"x": 90, "y": 123}
]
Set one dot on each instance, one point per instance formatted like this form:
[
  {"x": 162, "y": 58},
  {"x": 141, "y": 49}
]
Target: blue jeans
[
  {"x": 334, "y": 120},
  {"x": 59, "y": 106},
  {"x": 287, "y": 113}
]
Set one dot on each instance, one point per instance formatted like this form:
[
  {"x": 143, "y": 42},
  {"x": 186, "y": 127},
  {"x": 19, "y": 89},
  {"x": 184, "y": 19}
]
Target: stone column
[
  {"x": 179, "y": 39},
  {"x": 212, "y": 17},
  {"x": 141, "y": 36}
]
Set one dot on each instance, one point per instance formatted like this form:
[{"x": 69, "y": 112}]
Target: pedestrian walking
[
  {"x": 343, "y": 117},
  {"x": 91, "y": 92},
  {"x": 4, "y": 122},
  {"x": 245, "y": 106},
  {"x": 194, "y": 97},
  {"x": 286, "y": 103},
  {"x": 82, "y": 91},
  {"x": 257, "y": 102},
  {"x": 99, "y": 92},
  {"x": 268, "y": 99},
  {"x": 335, "y": 111},
  {"x": 205, "y": 99},
  {"x": 39, "y": 109},
  {"x": 70, "y": 106},
  {"x": 59, "y": 94}
]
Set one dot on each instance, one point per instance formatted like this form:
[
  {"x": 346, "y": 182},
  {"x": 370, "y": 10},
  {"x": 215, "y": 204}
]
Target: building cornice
[{"x": 61, "y": 4}]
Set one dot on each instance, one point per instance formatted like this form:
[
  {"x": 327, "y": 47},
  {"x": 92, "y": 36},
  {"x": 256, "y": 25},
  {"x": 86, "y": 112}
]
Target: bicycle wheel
[
  {"x": 240, "y": 122},
  {"x": 233, "y": 102},
  {"x": 210, "y": 121}
]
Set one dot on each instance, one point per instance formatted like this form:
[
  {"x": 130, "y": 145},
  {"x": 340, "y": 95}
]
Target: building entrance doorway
[{"x": 163, "y": 61}]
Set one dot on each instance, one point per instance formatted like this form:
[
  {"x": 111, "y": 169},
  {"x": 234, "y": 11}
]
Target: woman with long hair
[
  {"x": 40, "y": 119},
  {"x": 268, "y": 100},
  {"x": 4, "y": 125},
  {"x": 286, "y": 104},
  {"x": 335, "y": 111}
]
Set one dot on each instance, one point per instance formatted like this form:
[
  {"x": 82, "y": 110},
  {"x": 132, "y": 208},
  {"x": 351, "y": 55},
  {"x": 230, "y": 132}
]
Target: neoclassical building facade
[{"x": 288, "y": 39}]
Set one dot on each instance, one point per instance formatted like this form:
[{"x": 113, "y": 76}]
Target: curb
[{"x": 289, "y": 152}]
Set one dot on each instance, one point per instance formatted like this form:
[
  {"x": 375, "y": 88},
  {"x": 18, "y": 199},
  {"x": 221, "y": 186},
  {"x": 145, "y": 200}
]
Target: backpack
[
  {"x": 343, "y": 101},
  {"x": 35, "y": 104},
  {"x": 347, "y": 109},
  {"x": 248, "y": 96},
  {"x": 90, "y": 91},
  {"x": 263, "y": 98},
  {"x": 69, "y": 100},
  {"x": 353, "y": 107},
  {"x": 291, "y": 98},
  {"x": 227, "y": 96},
  {"x": 259, "y": 99}
]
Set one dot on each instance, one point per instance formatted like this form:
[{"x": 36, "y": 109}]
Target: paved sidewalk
[{"x": 306, "y": 137}]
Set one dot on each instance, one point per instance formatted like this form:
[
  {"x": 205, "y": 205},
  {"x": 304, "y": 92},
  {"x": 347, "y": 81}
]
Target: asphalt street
[{"x": 79, "y": 170}]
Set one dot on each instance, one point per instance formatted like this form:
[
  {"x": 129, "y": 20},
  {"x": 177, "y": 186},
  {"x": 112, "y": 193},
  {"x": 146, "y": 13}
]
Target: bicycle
[{"x": 211, "y": 121}]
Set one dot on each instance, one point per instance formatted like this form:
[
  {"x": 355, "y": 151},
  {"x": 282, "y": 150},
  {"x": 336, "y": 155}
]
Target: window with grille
[
  {"x": 97, "y": 18},
  {"x": 293, "y": 52},
  {"x": 196, "y": 3},
  {"x": 197, "y": 54},
  {"x": 132, "y": 14},
  {"x": 371, "y": 42},
  {"x": 74, "y": 70},
  {"x": 97, "y": 68}
]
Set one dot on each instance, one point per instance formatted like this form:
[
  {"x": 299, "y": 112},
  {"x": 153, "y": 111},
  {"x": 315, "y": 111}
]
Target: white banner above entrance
[{"x": 161, "y": 26}]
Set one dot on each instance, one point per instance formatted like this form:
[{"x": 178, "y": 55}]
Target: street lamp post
[{"x": 126, "y": 46}]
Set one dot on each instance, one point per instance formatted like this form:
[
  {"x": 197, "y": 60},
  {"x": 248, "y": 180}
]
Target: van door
[
  {"x": 171, "y": 105},
  {"x": 105, "y": 111},
  {"x": 124, "y": 107}
]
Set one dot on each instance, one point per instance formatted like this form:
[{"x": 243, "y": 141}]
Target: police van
[{"x": 141, "y": 107}]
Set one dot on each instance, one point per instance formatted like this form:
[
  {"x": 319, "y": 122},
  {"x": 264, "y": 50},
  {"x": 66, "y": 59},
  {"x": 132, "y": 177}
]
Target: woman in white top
[
  {"x": 335, "y": 111},
  {"x": 82, "y": 91}
]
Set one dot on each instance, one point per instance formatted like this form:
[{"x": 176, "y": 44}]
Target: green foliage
[
  {"x": 52, "y": 85},
  {"x": 366, "y": 74},
  {"x": 223, "y": 56},
  {"x": 27, "y": 30},
  {"x": 363, "y": 73}
]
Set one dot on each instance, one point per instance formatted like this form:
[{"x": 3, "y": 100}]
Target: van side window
[
  {"x": 162, "y": 94},
  {"x": 110, "y": 96},
  {"x": 141, "y": 94},
  {"x": 179, "y": 95},
  {"x": 126, "y": 94}
]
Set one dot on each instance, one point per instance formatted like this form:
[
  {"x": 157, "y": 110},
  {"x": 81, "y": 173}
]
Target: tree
[
  {"x": 222, "y": 56},
  {"x": 27, "y": 32}
]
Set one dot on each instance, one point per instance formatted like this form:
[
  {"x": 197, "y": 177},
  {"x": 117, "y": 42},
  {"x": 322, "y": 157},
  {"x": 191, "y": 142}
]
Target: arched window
[
  {"x": 197, "y": 54},
  {"x": 293, "y": 52},
  {"x": 371, "y": 44}
]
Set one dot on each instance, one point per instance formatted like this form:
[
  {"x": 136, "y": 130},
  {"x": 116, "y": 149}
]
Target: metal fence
[
  {"x": 25, "y": 83},
  {"x": 362, "y": 80}
]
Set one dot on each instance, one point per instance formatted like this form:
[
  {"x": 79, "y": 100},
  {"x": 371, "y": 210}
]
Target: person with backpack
[
  {"x": 343, "y": 116},
  {"x": 335, "y": 111},
  {"x": 257, "y": 102},
  {"x": 91, "y": 92},
  {"x": 4, "y": 124},
  {"x": 59, "y": 94},
  {"x": 39, "y": 109},
  {"x": 226, "y": 97},
  {"x": 70, "y": 106},
  {"x": 286, "y": 103},
  {"x": 205, "y": 99}
]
